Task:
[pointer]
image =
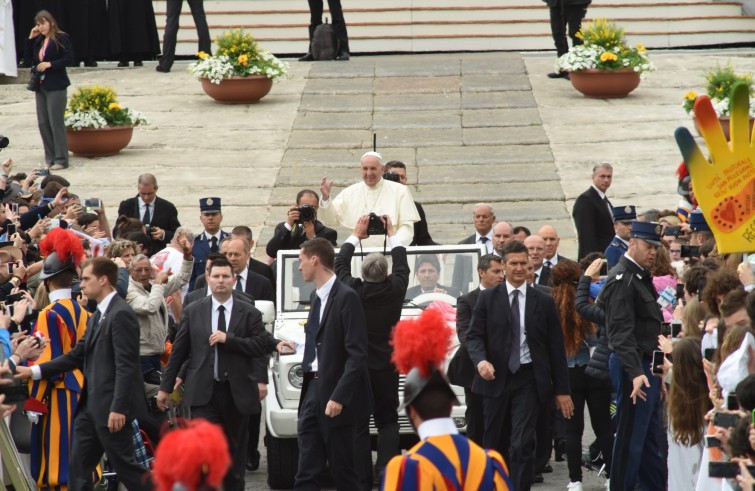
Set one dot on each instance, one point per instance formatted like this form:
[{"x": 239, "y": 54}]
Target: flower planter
[
  {"x": 238, "y": 90},
  {"x": 602, "y": 84},
  {"x": 99, "y": 142},
  {"x": 724, "y": 120}
]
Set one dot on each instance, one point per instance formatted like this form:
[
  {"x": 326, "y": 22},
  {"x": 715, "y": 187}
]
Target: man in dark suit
[
  {"x": 173, "y": 12},
  {"x": 427, "y": 270},
  {"x": 114, "y": 395},
  {"x": 462, "y": 371},
  {"x": 536, "y": 250},
  {"x": 592, "y": 213},
  {"x": 516, "y": 344},
  {"x": 421, "y": 230},
  {"x": 159, "y": 215},
  {"x": 484, "y": 218},
  {"x": 292, "y": 233},
  {"x": 211, "y": 216},
  {"x": 220, "y": 384},
  {"x": 245, "y": 233},
  {"x": 335, "y": 395},
  {"x": 238, "y": 254},
  {"x": 382, "y": 296}
]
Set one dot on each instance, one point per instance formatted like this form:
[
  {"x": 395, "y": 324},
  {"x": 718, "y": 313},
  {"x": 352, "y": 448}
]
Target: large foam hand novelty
[{"x": 725, "y": 185}]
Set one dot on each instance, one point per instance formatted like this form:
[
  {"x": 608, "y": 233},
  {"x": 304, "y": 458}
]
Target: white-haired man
[{"x": 373, "y": 195}]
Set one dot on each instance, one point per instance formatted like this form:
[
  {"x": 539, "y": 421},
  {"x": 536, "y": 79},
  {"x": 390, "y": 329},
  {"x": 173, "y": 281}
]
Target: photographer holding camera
[
  {"x": 301, "y": 225},
  {"x": 382, "y": 297}
]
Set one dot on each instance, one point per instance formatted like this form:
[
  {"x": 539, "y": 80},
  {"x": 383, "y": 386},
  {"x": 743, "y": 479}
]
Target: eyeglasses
[
  {"x": 675, "y": 251},
  {"x": 143, "y": 270}
]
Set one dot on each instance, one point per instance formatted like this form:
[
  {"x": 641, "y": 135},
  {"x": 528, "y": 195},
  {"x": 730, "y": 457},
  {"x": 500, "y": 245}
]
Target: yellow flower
[
  {"x": 202, "y": 55},
  {"x": 640, "y": 47},
  {"x": 244, "y": 60},
  {"x": 115, "y": 106},
  {"x": 608, "y": 56},
  {"x": 691, "y": 95}
]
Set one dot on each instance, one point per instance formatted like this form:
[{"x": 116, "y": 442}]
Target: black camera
[
  {"x": 689, "y": 251},
  {"x": 4, "y": 141},
  {"x": 376, "y": 226},
  {"x": 148, "y": 229},
  {"x": 306, "y": 213},
  {"x": 391, "y": 176},
  {"x": 672, "y": 231}
]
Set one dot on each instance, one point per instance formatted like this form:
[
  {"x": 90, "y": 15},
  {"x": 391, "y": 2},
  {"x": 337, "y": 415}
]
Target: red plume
[
  {"x": 682, "y": 171},
  {"x": 421, "y": 342},
  {"x": 196, "y": 456},
  {"x": 65, "y": 243}
]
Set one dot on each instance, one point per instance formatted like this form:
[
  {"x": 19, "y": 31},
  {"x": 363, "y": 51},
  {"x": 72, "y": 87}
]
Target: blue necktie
[
  {"x": 312, "y": 328},
  {"x": 239, "y": 286}
]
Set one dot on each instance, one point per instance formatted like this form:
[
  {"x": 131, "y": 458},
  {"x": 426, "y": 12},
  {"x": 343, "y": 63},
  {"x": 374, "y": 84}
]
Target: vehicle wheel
[{"x": 282, "y": 461}]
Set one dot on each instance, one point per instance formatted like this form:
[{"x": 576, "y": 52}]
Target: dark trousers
[
  {"x": 336, "y": 18},
  {"x": 544, "y": 434},
  {"x": 254, "y": 436},
  {"x": 222, "y": 410},
  {"x": 565, "y": 17},
  {"x": 319, "y": 442},
  {"x": 171, "y": 29},
  {"x": 597, "y": 394},
  {"x": 51, "y": 108},
  {"x": 90, "y": 441},
  {"x": 475, "y": 416},
  {"x": 510, "y": 425},
  {"x": 151, "y": 362},
  {"x": 636, "y": 450}
]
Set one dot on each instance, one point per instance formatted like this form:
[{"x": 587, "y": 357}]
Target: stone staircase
[{"x": 415, "y": 26}]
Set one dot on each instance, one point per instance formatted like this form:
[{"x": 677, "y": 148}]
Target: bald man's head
[
  {"x": 551, "y": 238},
  {"x": 536, "y": 248},
  {"x": 502, "y": 235}
]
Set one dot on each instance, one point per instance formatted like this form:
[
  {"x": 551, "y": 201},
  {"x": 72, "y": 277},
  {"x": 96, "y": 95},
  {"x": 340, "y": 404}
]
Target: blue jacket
[
  {"x": 59, "y": 56},
  {"x": 614, "y": 251},
  {"x": 200, "y": 252}
]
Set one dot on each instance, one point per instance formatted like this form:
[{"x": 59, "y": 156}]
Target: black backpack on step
[{"x": 325, "y": 44}]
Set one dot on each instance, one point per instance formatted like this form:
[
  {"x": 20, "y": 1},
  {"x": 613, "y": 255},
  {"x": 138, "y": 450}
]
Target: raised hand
[{"x": 725, "y": 185}]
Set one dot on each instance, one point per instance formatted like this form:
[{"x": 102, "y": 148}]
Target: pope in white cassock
[{"x": 373, "y": 195}]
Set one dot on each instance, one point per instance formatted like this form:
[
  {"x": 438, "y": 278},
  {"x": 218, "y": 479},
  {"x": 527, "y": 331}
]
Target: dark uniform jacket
[
  {"x": 614, "y": 251},
  {"x": 633, "y": 316},
  {"x": 200, "y": 251}
]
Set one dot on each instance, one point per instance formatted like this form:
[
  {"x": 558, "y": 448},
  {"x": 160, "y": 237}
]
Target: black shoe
[
  {"x": 122, "y": 64},
  {"x": 560, "y": 450},
  {"x": 138, "y": 63},
  {"x": 58, "y": 166},
  {"x": 254, "y": 461},
  {"x": 558, "y": 75},
  {"x": 343, "y": 56},
  {"x": 90, "y": 63},
  {"x": 547, "y": 469},
  {"x": 538, "y": 479},
  {"x": 307, "y": 57},
  {"x": 162, "y": 69}
]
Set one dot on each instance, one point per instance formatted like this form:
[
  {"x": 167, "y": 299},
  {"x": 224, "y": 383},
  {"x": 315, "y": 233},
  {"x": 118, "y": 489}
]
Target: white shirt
[
  {"x": 36, "y": 372},
  {"x": 323, "y": 293},
  {"x": 61, "y": 294},
  {"x": 524, "y": 349},
  {"x": 385, "y": 198},
  {"x": 553, "y": 260},
  {"x": 243, "y": 275},
  {"x": 488, "y": 243},
  {"x": 143, "y": 208},
  {"x": 228, "y": 305},
  {"x": 437, "y": 427},
  {"x": 537, "y": 275},
  {"x": 208, "y": 236}
]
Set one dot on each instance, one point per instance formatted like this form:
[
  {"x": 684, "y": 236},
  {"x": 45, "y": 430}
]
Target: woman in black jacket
[{"x": 49, "y": 51}]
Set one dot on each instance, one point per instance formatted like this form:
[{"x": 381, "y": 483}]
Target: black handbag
[{"x": 34, "y": 81}]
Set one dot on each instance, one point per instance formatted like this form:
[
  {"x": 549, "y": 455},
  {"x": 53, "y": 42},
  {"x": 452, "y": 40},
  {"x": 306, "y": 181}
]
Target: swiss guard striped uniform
[
  {"x": 63, "y": 324},
  {"x": 447, "y": 462}
]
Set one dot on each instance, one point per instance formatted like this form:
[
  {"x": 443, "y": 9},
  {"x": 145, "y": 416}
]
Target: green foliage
[
  {"x": 92, "y": 97},
  {"x": 602, "y": 32},
  {"x": 722, "y": 79}
]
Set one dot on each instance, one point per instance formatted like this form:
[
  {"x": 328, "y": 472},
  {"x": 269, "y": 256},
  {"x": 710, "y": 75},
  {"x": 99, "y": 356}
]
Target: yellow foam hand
[{"x": 724, "y": 185}]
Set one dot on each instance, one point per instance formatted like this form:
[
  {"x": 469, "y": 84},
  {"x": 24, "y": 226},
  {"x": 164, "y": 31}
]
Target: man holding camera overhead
[
  {"x": 373, "y": 196},
  {"x": 301, "y": 225}
]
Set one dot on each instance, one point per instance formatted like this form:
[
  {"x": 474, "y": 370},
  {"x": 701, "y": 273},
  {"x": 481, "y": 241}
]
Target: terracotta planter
[
  {"x": 602, "y": 84},
  {"x": 99, "y": 142},
  {"x": 238, "y": 90},
  {"x": 724, "y": 126}
]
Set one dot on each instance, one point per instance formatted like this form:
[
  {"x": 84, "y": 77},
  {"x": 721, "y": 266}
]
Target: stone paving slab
[
  {"x": 330, "y": 139},
  {"x": 494, "y": 83},
  {"x": 345, "y": 86},
  {"x": 418, "y": 102},
  {"x": 416, "y": 85},
  {"x": 417, "y": 119},
  {"x": 324, "y": 103},
  {"x": 424, "y": 137},
  {"x": 343, "y": 158},
  {"x": 497, "y": 100},
  {"x": 512, "y": 135},
  {"x": 327, "y": 121},
  {"x": 441, "y": 174},
  {"x": 433, "y": 66},
  {"x": 487, "y": 118},
  {"x": 492, "y": 64},
  {"x": 336, "y": 69},
  {"x": 483, "y": 155}
]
